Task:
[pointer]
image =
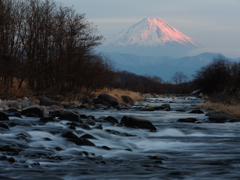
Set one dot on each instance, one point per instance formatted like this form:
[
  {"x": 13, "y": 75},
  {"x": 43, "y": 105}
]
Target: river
[{"x": 177, "y": 150}]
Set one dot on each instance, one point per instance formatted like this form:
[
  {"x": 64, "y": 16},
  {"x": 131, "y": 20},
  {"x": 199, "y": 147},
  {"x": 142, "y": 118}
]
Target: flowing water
[{"x": 176, "y": 151}]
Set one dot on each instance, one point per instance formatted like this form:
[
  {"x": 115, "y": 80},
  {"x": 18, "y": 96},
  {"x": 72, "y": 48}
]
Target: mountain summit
[
  {"x": 151, "y": 32},
  {"x": 151, "y": 37}
]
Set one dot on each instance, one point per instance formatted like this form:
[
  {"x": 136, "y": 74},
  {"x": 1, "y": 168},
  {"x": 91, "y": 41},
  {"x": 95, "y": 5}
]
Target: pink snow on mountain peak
[{"x": 151, "y": 31}]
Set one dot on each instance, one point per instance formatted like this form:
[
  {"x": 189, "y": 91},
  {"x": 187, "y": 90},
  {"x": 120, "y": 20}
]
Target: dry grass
[
  {"x": 13, "y": 91},
  {"x": 117, "y": 93},
  {"x": 232, "y": 110}
]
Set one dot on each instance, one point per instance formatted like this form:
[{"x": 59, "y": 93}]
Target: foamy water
[{"x": 176, "y": 151}]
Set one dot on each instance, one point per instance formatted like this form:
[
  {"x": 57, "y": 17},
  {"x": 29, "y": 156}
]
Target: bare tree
[{"x": 179, "y": 78}]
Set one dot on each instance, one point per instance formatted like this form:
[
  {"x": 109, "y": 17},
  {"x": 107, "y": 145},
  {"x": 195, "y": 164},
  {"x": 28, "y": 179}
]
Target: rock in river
[
  {"x": 137, "y": 123},
  {"x": 187, "y": 120},
  {"x": 3, "y": 116},
  {"x": 78, "y": 141},
  {"x": 127, "y": 99},
  {"x": 109, "y": 99},
  {"x": 48, "y": 102}
]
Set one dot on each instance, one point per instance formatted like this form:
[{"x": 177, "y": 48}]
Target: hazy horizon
[{"x": 214, "y": 24}]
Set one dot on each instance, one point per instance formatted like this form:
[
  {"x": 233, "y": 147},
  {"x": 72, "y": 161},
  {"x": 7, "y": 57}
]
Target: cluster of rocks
[
  {"x": 13, "y": 114},
  {"x": 211, "y": 118}
]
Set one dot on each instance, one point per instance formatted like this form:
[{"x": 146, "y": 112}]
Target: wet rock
[
  {"x": 150, "y": 106},
  {"x": 85, "y": 106},
  {"x": 48, "y": 102},
  {"x": 109, "y": 99},
  {"x": 3, "y": 158},
  {"x": 66, "y": 105},
  {"x": 187, "y": 120},
  {"x": 13, "y": 112},
  {"x": 99, "y": 126},
  {"x": 218, "y": 117},
  {"x": 74, "y": 105},
  {"x": 163, "y": 107},
  {"x": 4, "y": 126},
  {"x": 33, "y": 104},
  {"x": 137, "y": 123},
  {"x": 11, "y": 160},
  {"x": 70, "y": 115},
  {"x": 73, "y": 125},
  {"x": 86, "y": 99},
  {"x": 33, "y": 110},
  {"x": 3, "y": 116},
  {"x": 106, "y": 148},
  {"x": 100, "y": 106},
  {"x": 13, "y": 104},
  {"x": 111, "y": 131},
  {"x": 127, "y": 99},
  {"x": 181, "y": 110},
  {"x": 88, "y": 136},
  {"x": 83, "y": 116},
  {"x": 12, "y": 124},
  {"x": 78, "y": 141},
  {"x": 111, "y": 119},
  {"x": 47, "y": 119},
  {"x": 197, "y": 111},
  {"x": 147, "y": 109},
  {"x": 90, "y": 122},
  {"x": 25, "y": 103},
  {"x": 84, "y": 126},
  {"x": 99, "y": 101},
  {"x": 233, "y": 120},
  {"x": 91, "y": 117},
  {"x": 58, "y": 148}
]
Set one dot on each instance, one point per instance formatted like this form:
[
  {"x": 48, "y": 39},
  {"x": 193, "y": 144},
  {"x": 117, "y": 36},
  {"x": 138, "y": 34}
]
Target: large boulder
[
  {"x": 99, "y": 101},
  {"x": 163, "y": 107},
  {"x": 218, "y": 117},
  {"x": 197, "y": 111},
  {"x": 13, "y": 104},
  {"x": 13, "y": 112},
  {"x": 48, "y": 102},
  {"x": 25, "y": 103},
  {"x": 109, "y": 99},
  {"x": 31, "y": 111},
  {"x": 3, "y": 116},
  {"x": 78, "y": 141},
  {"x": 69, "y": 115},
  {"x": 137, "y": 123},
  {"x": 127, "y": 99}
]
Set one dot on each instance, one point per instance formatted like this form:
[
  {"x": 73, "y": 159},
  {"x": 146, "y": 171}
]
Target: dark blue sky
[{"x": 213, "y": 23}]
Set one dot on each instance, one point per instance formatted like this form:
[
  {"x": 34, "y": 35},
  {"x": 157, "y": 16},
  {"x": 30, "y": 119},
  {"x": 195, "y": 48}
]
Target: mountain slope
[
  {"x": 164, "y": 67},
  {"x": 151, "y": 32},
  {"x": 150, "y": 37}
]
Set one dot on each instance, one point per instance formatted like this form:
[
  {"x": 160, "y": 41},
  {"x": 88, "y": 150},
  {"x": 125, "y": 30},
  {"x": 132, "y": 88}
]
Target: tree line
[
  {"x": 153, "y": 84},
  {"x": 50, "y": 47},
  {"x": 221, "y": 75}
]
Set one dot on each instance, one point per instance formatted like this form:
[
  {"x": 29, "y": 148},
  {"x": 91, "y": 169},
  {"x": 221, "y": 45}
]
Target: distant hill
[{"x": 164, "y": 66}]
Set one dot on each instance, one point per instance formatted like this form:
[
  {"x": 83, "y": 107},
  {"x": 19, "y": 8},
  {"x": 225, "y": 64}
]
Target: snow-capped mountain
[
  {"x": 150, "y": 37},
  {"x": 150, "y": 32}
]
